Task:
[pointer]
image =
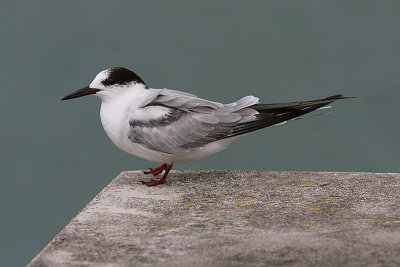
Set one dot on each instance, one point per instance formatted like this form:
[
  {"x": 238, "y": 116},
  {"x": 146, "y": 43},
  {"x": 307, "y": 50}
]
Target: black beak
[{"x": 81, "y": 92}]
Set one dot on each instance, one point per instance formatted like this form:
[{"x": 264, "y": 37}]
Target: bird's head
[{"x": 108, "y": 82}]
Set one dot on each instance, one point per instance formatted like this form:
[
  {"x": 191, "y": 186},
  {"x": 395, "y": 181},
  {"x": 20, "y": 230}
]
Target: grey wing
[{"x": 190, "y": 122}]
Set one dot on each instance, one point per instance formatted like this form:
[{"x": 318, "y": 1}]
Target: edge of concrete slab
[{"x": 235, "y": 218}]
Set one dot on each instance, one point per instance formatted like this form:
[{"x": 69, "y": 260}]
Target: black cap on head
[{"x": 120, "y": 75}]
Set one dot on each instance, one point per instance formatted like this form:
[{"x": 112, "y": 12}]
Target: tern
[{"x": 169, "y": 126}]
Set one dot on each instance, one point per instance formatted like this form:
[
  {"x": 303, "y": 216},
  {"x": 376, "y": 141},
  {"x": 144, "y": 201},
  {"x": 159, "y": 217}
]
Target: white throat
[{"x": 117, "y": 106}]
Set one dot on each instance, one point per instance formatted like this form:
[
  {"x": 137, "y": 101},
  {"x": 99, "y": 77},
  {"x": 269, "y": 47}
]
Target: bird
[{"x": 169, "y": 126}]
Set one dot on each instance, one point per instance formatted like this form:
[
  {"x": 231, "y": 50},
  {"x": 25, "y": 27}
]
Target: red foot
[
  {"x": 152, "y": 182},
  {"x": 158, "y": 170}
]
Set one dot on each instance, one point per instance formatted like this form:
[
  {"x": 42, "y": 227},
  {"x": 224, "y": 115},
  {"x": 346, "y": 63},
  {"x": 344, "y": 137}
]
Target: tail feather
[{"x": 272, "y": 114}]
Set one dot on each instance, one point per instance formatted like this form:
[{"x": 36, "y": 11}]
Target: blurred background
[{"x": 56, "y": 157}]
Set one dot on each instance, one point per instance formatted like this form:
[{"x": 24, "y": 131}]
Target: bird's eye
[{"x": 110, "y": 81}]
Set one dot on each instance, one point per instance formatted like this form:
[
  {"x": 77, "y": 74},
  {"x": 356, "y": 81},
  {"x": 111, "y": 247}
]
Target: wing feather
[
  {"x": 185, "y": 122},
  {"x": 190, "y": 122}
]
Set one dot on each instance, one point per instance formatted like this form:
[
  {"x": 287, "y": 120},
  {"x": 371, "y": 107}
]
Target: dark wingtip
[{"x": 337, "y": 97}]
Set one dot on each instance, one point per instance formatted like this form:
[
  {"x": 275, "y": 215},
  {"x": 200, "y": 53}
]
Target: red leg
[
  {"x": 158, "y": 170},
  {"x": 162, "y": 180}
]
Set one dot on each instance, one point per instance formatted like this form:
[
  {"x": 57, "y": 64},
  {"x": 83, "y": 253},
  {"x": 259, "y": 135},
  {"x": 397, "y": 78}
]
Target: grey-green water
[{"x": 55, "y": 156}]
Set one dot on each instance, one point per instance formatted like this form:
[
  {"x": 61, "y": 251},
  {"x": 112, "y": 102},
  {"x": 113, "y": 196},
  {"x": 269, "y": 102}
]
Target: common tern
[{"x": 169, "y": 126}]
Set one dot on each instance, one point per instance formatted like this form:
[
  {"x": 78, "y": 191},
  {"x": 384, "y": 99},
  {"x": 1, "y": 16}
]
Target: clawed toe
[
  {"x": 157, "y": 171},
  {"x": 149, "y": 172},
  {"x": 153, "y": 182}
]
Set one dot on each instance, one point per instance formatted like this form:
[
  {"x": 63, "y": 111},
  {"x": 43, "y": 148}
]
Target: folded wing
[{"x": 186, "y": 122}]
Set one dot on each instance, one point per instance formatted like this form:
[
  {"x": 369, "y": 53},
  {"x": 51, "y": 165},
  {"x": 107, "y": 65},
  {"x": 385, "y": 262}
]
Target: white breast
[
  {"x": 115, "y": 123},
  {"x": 116, "y": 113}
]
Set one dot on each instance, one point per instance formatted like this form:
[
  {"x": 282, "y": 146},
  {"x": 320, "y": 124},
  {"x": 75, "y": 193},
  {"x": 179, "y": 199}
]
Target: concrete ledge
[{"x": 234, "y": 218}]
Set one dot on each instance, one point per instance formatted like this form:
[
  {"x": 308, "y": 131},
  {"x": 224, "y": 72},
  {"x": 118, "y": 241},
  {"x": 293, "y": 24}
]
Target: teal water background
[{"x": 55, "y": 156}]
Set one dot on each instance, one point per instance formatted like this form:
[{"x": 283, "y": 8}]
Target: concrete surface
[{"x": 235, "y": 218}]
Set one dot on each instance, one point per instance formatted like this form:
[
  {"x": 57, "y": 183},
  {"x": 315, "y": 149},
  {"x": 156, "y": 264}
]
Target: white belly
[{"x": 115, "y": 122}]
